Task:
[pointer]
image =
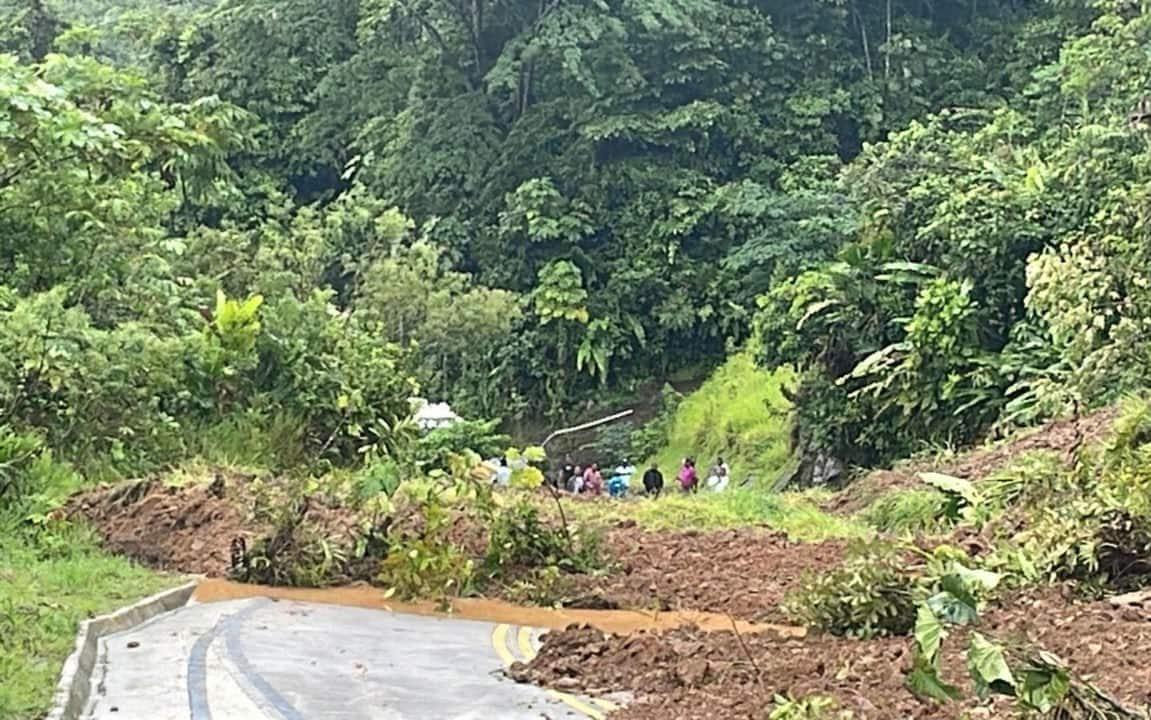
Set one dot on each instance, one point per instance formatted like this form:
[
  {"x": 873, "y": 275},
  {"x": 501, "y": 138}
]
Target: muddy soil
[
  {"x": 687, "y": 673},
  {"x": 1062, "y": 437},
  {"x": 190, "y": 528},
  {"x": 694, "y": 675},
  {"x": 744, "y": 573},
  {"x": 1109, "y": 646},
  {"x": 180, "y": 529}
]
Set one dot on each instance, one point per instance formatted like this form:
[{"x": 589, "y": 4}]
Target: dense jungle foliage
[{"x": 279, "y": 219}]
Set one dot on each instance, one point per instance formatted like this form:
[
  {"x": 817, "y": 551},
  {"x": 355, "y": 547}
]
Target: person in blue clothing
[{"x": 620, "y": 481}]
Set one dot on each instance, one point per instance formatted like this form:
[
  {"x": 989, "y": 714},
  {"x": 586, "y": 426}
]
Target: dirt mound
[
  {"x": 694, "y": 675},
  {"x": 184, "y": 529},
  {"x": 1062, "y": 437},
  {"x": 742, "y": 572},
  {"x": 687, "y": 673},
  {"x": 190, "y": 528}
]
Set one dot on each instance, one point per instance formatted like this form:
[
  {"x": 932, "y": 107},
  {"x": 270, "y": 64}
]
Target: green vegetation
[
  {"x": 810, "y": 707},
  {"x": 1086, "y": 525},
  {"x": 795, "y": 514},
  {"x": 740, "y": 413},
  {"x": 248, "y": 231},
  {"x": 44, "y": 594},
  {"x": 871, "y": 594},
  {"x": 907, "y": 511}
]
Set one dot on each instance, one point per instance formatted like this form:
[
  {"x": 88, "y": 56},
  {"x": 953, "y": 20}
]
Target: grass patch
[
  {"x": 740, "y": 413},
  {"x": 44, "y": 594},
  {"x": 796, "y": 514}
]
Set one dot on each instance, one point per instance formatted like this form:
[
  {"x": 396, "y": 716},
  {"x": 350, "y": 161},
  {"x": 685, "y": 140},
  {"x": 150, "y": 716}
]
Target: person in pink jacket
[
  {"x": 593, "y": 480},
  {"x": 688, "y": 478}
]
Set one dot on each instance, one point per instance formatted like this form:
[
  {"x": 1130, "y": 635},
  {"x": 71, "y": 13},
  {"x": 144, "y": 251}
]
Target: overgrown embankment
[{"x": 740, "y": 414}]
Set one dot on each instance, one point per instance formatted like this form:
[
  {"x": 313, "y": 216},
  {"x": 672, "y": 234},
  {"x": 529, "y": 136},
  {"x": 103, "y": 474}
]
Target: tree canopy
[{"x": 930, "y": 210}]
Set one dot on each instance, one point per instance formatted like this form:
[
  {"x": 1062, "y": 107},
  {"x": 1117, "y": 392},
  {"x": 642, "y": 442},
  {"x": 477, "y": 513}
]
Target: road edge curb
[{"x": 75, "y": 685}]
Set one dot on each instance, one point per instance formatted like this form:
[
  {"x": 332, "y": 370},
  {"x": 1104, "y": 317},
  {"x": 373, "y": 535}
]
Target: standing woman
[{"x": 688, "y": 478}]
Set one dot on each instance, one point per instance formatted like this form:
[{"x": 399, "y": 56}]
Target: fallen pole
[{"x": 585, "y": 426}]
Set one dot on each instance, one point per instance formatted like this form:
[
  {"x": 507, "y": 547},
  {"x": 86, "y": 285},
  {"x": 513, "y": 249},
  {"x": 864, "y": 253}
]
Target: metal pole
[{"x": 585, "y": 426}]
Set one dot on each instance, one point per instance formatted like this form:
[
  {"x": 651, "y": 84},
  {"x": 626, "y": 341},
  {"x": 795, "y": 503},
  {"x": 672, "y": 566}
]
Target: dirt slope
[
  {"x": 182, "y": 529},
  {"x": 1062, "y": 437}
]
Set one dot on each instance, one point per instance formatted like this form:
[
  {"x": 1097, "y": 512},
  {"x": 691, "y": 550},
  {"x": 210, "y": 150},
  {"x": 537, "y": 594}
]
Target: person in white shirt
[
  {"x": 719, "y": 476},
  {"x": 503, "y": 473}
]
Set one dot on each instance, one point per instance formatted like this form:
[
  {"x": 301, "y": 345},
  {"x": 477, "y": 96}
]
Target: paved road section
[{"x": 260, "y": 659}]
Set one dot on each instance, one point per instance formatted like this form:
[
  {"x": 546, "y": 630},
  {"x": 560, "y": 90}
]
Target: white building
[{"x": 429, "y": 416}]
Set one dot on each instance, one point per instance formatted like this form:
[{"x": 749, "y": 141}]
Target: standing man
[{"x": 653, "y": 480}]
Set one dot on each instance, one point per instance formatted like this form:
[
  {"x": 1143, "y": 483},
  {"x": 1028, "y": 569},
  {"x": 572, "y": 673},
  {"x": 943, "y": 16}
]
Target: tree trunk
[
  {"x": 859, "y": 20},
  {"x": 887, "y": 50}
]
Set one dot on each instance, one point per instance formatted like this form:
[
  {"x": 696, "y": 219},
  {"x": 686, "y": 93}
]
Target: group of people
[
  {"x": 718, "y": 476},
  {"x": 589, "y": 480}
]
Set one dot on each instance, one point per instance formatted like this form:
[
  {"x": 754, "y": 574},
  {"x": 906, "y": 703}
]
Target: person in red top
[{"x": 688, "y": 478}]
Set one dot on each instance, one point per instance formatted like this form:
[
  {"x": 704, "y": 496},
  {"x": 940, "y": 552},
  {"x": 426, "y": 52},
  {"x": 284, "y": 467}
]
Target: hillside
[{"x": 238, "y": 237}]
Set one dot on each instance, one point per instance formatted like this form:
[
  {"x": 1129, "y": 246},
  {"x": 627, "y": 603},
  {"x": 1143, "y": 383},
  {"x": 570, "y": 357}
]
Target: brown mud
[
  {"x": 745, "y": 572},
  {"x": 181, "y": 529},
  {"x": 690, "y": 674},
  {"x": 190, "y": 528},
  {"x": 1062, "y": 437},
  {"x": 491, "y": 610}
]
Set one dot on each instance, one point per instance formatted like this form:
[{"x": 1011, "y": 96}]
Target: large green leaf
[
  {"x": 924, "y": 681},
  {"x": 989, "y": 668},
  {"x": 929, "y": 632},
  {"x": 952, "y": 485},
  {"x": 1043, "y": 685}
]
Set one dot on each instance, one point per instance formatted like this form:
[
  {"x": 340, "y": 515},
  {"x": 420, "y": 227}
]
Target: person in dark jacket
[{"x": 653, "y": 480}]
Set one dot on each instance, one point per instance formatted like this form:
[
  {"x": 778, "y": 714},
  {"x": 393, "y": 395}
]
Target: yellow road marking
[
  {"x": 500, "y": 643},
  {"x": 577, "y": 704},
  {"x": 524, "y": 636},
  {"x": 523, "y": 640}
]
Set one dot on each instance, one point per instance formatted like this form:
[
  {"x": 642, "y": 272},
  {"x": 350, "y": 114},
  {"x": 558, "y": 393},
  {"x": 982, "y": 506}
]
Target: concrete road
[{"x": 279, "y": 660}]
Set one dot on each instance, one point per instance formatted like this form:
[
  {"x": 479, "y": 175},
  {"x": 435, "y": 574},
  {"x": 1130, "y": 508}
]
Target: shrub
[
  {"x": 435, "y": 449},
  {"x": 519, "y": 539},
  {"x": 292, "y": 552},
  {"x": 911, "y": 511},
  {"x": 869, "y": 595},
  {"x": 423, "y": 567},
  {"x": 18, "y": 451}
]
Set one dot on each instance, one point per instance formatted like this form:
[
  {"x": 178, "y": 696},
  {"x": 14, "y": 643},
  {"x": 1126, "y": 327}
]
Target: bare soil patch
[
  {"x": 191, "y": 528},
  {"x": 693, "y": 675},
  {"x": 1062, "y": 437},
  {"x": 743, "y": 572},
  {"x": 181, "y": 529}
]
